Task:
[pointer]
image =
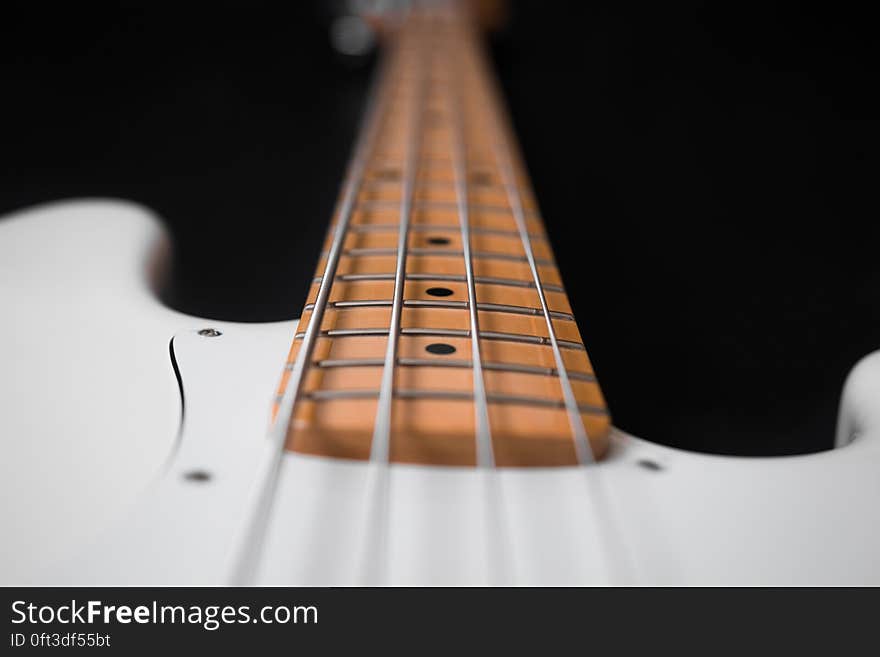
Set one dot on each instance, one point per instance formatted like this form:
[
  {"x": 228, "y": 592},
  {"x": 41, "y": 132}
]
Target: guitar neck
[{"x": 437, "y": 330}]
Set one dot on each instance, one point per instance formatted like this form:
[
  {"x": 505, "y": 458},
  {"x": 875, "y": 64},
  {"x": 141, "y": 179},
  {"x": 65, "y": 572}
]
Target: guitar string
[
  {"x": 374, "y": 566},
  {"x": 380, "y": 446},
  {"x": 373, "y": 121},
  {"x": 615, "y": 548},
  {"x": 583, "y": 448},
  {"x": 247, "y": 552},
  {"x": 484, "y": 450},
  {"x": 284, "y": 417},
  {"x": 497, "y": 537}
]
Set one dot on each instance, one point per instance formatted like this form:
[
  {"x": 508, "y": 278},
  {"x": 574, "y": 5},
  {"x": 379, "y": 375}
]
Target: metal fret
[
  {"x": 531, "y": 339},
  {"x": 449, "y": 333},
  {"x": 513, "y": 368},
  {"x": 437, "y": 228},
  {"x": 451, "y": 395},
  {"x": 417, "y": 251},
  {"x": 440, "y": 205},
  {"x": 522, "y": 310},
  {"x": 423, "y": 303},
  {"x": 452, "y": 278},
  {"x": 428, "y": 161},
  {"x": 430, "y": 182}
]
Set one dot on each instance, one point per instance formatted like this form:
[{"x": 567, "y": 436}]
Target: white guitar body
[{"x": 114, "y": 473}]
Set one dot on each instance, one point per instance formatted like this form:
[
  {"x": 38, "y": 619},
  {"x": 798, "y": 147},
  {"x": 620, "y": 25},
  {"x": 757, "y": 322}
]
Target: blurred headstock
[{"x": 359, "y": 25}]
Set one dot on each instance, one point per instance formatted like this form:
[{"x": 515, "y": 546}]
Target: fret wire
[
  {"x": 418, "y": 251},
  {"x": 450, "y": 333},
  {"x": 450, "y": 305},
  {"x": 512, "y": 368},
  {"x": 429, "y": 161},
  {"x": 437, "y": 228},
  {"x": 441, "y": 205},
  {"x": 452, "y": 278},
  {"x": 427, "y": 183},
  {"x": 451, "y": 395},
  {"x": 484, "y": 447},
  {"x": 583, "y": 448},
  {"x": 431, "y": 157},
  {"x": 380, "y": 446}
]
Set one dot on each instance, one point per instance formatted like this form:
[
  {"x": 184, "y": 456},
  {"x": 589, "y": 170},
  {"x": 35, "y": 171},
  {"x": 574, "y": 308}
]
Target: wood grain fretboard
[{"x": 437, "y": 330}]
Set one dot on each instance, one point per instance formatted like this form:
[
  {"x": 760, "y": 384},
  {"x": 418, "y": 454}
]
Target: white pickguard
[{"x": 95, "y": 460}]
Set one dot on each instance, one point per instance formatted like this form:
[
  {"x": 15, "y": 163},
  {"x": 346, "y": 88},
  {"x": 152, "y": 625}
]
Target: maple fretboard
[{"x": 437, "y": 330}]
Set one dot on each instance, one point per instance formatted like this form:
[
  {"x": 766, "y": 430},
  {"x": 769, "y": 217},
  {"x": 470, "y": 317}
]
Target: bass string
[
  {"x": 614, "y": 546},
  {"x": 374, "y": 567},
  {"x": 248, "y": 548}
]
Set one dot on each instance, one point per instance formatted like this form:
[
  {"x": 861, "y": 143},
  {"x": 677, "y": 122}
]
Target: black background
[{"x": 707, "y": 176}]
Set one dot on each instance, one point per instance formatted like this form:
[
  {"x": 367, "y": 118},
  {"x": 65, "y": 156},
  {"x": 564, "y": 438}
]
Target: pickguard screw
[
  {"x": 198, "y": 476},
  {"x": 648, "y": 464},
  {"x": 210, "y": 333}
]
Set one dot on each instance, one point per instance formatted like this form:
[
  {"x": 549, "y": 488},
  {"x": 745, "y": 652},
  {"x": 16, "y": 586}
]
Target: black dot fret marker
[
  {"x": 439, "y": 291},
  {"x": 433, "y": 118},
  {"x": 481, "y": 178},
  {"x": 440, "y": 348},
  {"x": 439, "y": 241}
]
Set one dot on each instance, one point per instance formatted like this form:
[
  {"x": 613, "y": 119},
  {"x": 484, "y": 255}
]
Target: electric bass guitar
[{"x": 432, "y": 418}]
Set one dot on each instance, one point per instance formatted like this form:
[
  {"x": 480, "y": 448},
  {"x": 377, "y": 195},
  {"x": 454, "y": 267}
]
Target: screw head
[
  {"x": 197, "y": 476},
  {"x": 648, "y": 464},
  {"x": 210, "y": 333}
]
